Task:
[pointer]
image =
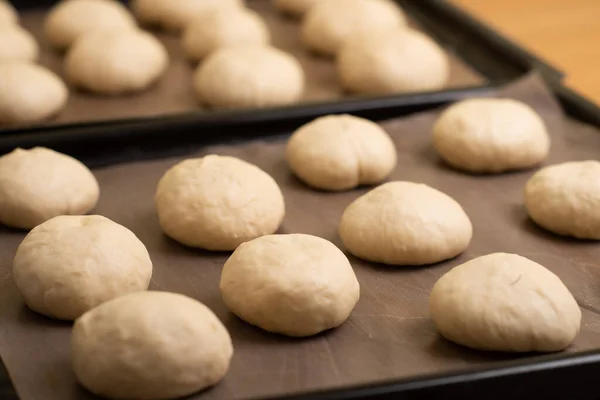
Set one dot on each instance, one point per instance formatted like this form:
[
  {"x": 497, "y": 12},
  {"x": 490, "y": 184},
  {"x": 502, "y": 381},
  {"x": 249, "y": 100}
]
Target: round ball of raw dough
[
  {"x": 329, "y": 24},
  {"x": 113, "y": 63},
  {"x": 247, "y": 77},
  {"x": 180, "y": 347},
  {"x": 218, "y": 202},
  {"x": 295, "y": 8},
  {"x": 70, "y": 19},
  {"x": 340, "y": 152},
  {"x": 565, "y": 199},
  {"x": 17, "y": 44},
  {"x": 504, "y": 302},
  {"x": 29, "y": 93},
  {"x": 223, "y": 27},
  {"x": 491, "y": 136},
  {"x": 72, "y": 263},
  {"x": 176, "y": 15},
  {"x": 296, "y": 285},
  {"x": 39, "y": 184},
  {"x": 405, "y": 223},
  {"x": 398, "y": 61},
  {"x": 8, "y": 14}
]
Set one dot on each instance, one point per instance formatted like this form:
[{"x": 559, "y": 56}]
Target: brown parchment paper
[
  {"x": 174, "y": 93},
  {"x": 389, "y": 334}
]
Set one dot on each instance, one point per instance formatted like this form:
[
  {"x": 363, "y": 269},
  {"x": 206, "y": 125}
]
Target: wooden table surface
[{"x": 566, "y": 33}]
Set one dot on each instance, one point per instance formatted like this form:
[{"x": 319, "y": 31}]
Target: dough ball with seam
[
  {"x": 29, "y": 93},
  {"x": 491, "y": 135},
  {"x": 70, "y": 19},
  {"x": 179, "y": 347},
  {"x": 405, "y": 223},
  {"x": 340, "y": 152},
  {"x": 114, "y": 63},
  {"x": 8, "y": 14},
  {"x": 565, "y": 198},
  {"x": 504, "y": 302},
  {"x": 395, "y": 61},
  {"x": 329, "y": 24},
  {"x": 17, "y": 44},
  {"x": 73, "y": 263},
  {"x": 249, "y": 77},
  {"x": 295, "y": 284},
  {"x": 223, "y": 27},
  {"x": 218, "y": 202}
]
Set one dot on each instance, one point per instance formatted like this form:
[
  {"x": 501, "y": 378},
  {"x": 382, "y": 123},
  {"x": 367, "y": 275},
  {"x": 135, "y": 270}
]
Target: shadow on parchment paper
[
  {"x": 446, "y": 349},
  {"x": 31, "y": 318}
]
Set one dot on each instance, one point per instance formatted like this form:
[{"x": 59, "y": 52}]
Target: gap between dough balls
[
  {"x": 340, "y": 152},
  {"x": 218, "y": 202},
  {"x": 405, "y": 223},
  {"x": 295, "y": 8},
  {"x": 17, "y": 44},
  {"x": 295, "y": 284},
  {"x": 150, "y": 345},
  {"x": 504, "y": 302},
  {"x": 71, "y": 264}
]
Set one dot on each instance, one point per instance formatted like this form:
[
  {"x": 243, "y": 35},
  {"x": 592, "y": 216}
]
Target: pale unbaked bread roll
[
  {"x": 17, "y": 44},
  {"x": 218, "y": 202},
  {"x": 246, "y": 77},
  {"x": 396, "y": 61},
  {"x": 405, "y": 223},
  {"x": 295, "y": 8},
  {"x": 296, "y": 285},
  {"x": 329, "y": 24},
  {"x": 113, "y": 63},
  {"x": 8, "y": 14},
  {"x": 73, "y": 263},
  {"x": 565, "y": 199},
  {"x": 29, "y": 93},
  {"x": 223, "y": 27},
  {"x": 69, "y": 19},
  {"x": 504, "y": 302},
  {"x": 179, "y": 347},
  {"x": 491, "y": 136},
  {"x": 340, "y": 152}
]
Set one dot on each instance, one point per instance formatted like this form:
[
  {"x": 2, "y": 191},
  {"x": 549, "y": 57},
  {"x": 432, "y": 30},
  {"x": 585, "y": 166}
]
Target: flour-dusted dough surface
[
  {"x": 405, "y": 223},
  {"x": 505, "y": 302},
  {"x": 113, "y": 63},
  {"x": 69, "y": 19},
  {"x": 329, "y": 24},
  {"x": 565, "y": 199},
  {"x": 176, "y": 15},
  {"x": 150, "y": 345},
  {"x": 395, "y": 61},
  {"x": 295, "y": 8},
  {"x": 340, "y": 152},
  {"x": 73, "y": 263},
  {"x": 224, "y": 27},
  {"x": 8, "y": 14},
  {"x": 491, "y": 135},
  {"x": 255, "y": 76},
  {"x": 218, "y": 202},
  {"x": 17, "y": 44},
  {"x": 296, "y": 285},
  {"x": 29, "y": 93}
]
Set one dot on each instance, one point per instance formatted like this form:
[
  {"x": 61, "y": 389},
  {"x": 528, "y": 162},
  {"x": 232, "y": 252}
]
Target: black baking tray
[{"x": 498, "y": 60}]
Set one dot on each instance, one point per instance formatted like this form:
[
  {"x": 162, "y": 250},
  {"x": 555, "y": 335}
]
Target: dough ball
[
  {"x": 72, "y": 263},
  {"x": 69, "y": 19},
  {"x": 113, "y": 63},
  {"x": 17, "y": 44},
  {"x": 39, "y": 184},
  {"x": 405, "y": 223},
  {"x": 176, "y": 15},
  {"x": 249, "y": 77},
  {"x": 565, "y": 199},
  {"x": 491, "y": 136},
  {"x": 179, "y": 347},
  {"x": 504, "y": 302},
  {"x": 340, "y": 152},
  {"x": 29, "y": 93},
  {"x": 329, "y": 24},
  {"x": 295, "y": 8},
  {"x": 218, "y": 202},
  {"x": 296, "y": 285},
  {"x": 399, "y": 61},
  {"x": 8, "y": 14}
]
